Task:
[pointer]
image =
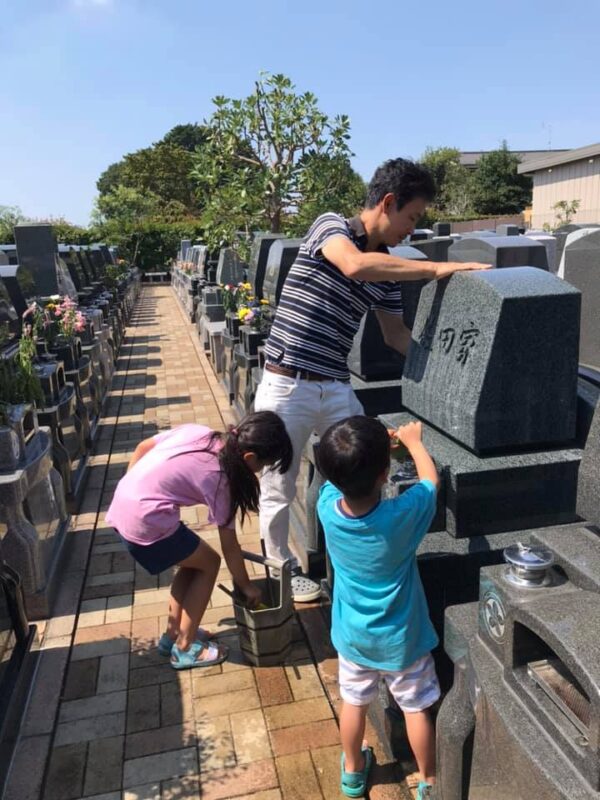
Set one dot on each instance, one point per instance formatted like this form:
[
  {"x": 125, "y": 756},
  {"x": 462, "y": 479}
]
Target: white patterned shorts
[{"x": 414, "y": 688}]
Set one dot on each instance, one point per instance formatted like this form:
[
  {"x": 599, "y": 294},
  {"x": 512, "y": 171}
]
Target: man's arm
[
  {"x": 395, "y": 333},
  {"x": 358, "y": 266}
]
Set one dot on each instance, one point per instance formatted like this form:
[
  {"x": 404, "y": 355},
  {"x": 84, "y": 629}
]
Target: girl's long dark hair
[{"x": 262, "y": 433}]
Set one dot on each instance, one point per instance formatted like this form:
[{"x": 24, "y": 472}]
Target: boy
[{"x": 380, "y": 620}]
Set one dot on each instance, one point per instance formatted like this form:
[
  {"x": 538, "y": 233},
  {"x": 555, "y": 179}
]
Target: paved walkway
[{"x": 130, "y": 727}]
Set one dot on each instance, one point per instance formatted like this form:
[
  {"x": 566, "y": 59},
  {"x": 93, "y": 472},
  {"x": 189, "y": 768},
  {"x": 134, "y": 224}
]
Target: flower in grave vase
[{"x": 70, "y": 321}]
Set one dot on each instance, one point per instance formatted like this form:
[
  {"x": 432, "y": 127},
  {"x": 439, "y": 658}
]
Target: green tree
[
  {"x": 9, "y": 217},
  {"x": 120, "y": 215},
  {"x": 497, "y": 186},
  {"x": 325, "y": 183},
  {"x": 111, "y": 178},
  {"x": 249, "y": 171},
  {"x": 188, "y": 137},
  {"x": 453, "y": 182}
]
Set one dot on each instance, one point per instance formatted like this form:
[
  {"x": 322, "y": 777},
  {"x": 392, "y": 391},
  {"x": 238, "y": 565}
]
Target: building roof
[
  {"x": 559, "y": 157},
  {"x": 469, "y": 158}
]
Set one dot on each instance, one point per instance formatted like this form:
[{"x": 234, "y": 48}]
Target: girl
[{"x": 187, "y": 466}]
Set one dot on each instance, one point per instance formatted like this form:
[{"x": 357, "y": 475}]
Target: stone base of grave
[
  {"x": 39, "y": 604},
  {"x": 500, "y": 493}
]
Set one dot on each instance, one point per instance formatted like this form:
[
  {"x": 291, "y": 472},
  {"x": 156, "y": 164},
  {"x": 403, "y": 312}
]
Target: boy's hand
[
  {"x": 409, "y": 434},
  {"x": 253, "y": 595}
]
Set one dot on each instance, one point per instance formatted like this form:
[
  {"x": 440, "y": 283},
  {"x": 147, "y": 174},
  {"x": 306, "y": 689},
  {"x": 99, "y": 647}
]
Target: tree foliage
[
  {"x": 453, "y": 181},
  {"x": 497, "y": 186},
  {"x": 9, "y": 217},
  {"x": 188, "y": 137},
  {"x": 259, "y": 163}
]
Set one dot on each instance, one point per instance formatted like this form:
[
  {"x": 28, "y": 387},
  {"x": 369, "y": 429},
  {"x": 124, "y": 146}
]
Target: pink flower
[{"x": 58, "y": 311}]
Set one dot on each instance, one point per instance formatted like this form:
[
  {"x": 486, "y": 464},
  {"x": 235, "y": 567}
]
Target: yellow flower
[
  {"x": 243, "y": 313},
  {"x": 250, "y": 298},
  {"x": 247, "y": 286},
  {"x": 264, "y": 302}
]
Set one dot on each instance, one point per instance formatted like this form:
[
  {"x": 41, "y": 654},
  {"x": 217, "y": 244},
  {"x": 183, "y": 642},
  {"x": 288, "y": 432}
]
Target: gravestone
[
  {"x": 78, "y": 276},
  {"x": 588, "y": 488},
  {"x": 549, "y": 243},
  {"x": 41, "y": 271},
  {"x": 282, "y": 255},
  {"x": 580, "y": 266},
  {"x": 231, "y": 268},
  {"x": 436, "y": 249},
  {"x": 419, "y": 234},
  {"x": 184, "y": 247},
  {"x": 500, "y": 251},
  {"x": 370, "y": 358},
  {"x": 493, "y": 358},
  {"x": 10, "y": 251},
  {"x": 442, "y": 229},
  {"x": 507, "y": 230},
  {"x": 258, "y": 260}
]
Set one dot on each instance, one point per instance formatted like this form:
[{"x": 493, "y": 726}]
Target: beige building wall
[{"x": 577, "y": 180}]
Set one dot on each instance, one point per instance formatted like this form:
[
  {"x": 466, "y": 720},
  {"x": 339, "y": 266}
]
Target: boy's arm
[
  {"x": 140, "y": 451},
  {"x": 232, "y": 553},
  {"x": 410, "y": 436}
]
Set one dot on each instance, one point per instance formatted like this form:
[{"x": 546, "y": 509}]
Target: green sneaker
[{"x": 424, "y": 791}]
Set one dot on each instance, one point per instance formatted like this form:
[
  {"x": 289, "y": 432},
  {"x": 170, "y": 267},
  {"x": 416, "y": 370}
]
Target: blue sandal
[
  {"x": 354, "y": 784},
  {"x": 165, "y": 643},
  {"x": 188, "y": 659}
]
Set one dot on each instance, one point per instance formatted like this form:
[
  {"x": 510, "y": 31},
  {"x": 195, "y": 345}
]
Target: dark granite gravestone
[
  {"x": 231, "y": 268},
  {"x": 9, "y": 277},
  {"x": 282, "y": 255},
  {"x": 419, "y": 234},
  {"x": 370, "y": 358},
  {"x": 581, "y": 268},
  {"x": 258, "y": 260},
  {"x": 436, "y": 249},
  {"x": 500, "y": 251},
  {"x": 41, "y": 272},
  {"x": 493, "y": 359},
  {"x": 442, "y": 229},
  {"x": 107, "y": 255},
  {"x": 549, "y": 243},
  {"x": 507, "y": 230},
  {"x": 78, "y": 276},
  {"x": 185, "y": 245},
  {"x": 588, "y": 488},
  {"x": 97, "y": 258},
  {"x": 9, "y": 318},
  {"x": 10, "y": 251}
]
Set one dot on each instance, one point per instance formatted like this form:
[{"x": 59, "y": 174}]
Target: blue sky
[{"x": 86, "y": 81}]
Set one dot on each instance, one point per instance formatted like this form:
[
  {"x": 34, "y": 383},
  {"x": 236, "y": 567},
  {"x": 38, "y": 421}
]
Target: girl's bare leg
[{"x": 203, "y": 566}]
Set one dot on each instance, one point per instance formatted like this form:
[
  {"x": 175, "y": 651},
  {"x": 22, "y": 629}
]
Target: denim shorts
[{"x": 159, "y": 556}]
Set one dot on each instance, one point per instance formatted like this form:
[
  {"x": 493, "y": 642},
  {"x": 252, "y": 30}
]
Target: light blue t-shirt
[{"x": 380, "y": 617}]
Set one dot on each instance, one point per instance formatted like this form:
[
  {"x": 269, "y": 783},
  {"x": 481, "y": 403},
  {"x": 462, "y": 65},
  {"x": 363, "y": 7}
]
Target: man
[{"x": 343, "y": 268}]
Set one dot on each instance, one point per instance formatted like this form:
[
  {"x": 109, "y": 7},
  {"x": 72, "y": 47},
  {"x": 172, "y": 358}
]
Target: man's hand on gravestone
[{"x": 445, "y": 269}]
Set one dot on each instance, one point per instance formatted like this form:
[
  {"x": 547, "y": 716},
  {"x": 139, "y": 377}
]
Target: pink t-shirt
[{"x": 146, "y": 503}]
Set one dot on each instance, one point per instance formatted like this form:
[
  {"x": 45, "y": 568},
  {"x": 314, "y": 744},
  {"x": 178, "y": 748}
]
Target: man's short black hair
[
  {"x": 406, "y": 180},
  {"x": 353, "y": 453}
]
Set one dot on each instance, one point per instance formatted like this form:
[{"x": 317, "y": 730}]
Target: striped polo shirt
[{"x": 320, "y": 308}]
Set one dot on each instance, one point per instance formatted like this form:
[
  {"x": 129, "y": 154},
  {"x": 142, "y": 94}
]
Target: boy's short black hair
[
  {"x": 353, "y": 453},
  {"x": 405, "y": 179}
]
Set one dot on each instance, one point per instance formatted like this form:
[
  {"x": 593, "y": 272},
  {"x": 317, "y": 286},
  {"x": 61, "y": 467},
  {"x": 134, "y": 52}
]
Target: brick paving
[{"x": 128, "y": 726}]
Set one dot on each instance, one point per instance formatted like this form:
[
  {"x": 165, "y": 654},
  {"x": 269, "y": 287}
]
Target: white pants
[{"x": 304, "y": 407}]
